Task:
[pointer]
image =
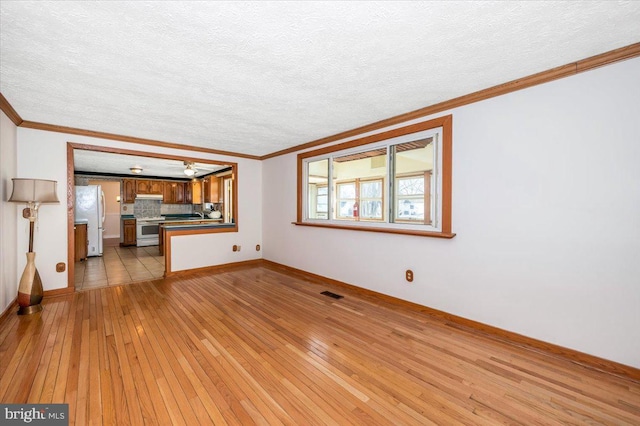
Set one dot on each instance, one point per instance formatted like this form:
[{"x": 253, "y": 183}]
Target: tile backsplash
[
  {"x": 146, "y": 208},
  {"x": 154, "y": 208},
  {"x": 176, "y": 209}
]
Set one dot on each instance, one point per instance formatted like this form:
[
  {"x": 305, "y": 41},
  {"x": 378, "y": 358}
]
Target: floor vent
[{"x": 335, "y": 296}]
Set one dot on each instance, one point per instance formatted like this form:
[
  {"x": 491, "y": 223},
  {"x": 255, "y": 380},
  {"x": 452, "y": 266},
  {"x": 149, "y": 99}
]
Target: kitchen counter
[
  {"x": 187, "y": 223},
  {"x": 189, "y": 220}
]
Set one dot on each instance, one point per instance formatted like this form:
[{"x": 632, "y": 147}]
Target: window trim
[{"x": 445, "y": 122}]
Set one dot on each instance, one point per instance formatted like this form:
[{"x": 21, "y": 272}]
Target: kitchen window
[{"x": 397, "y": 181}]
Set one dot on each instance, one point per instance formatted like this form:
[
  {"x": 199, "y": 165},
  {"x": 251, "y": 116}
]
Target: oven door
[{"x": 147, "y": 234}]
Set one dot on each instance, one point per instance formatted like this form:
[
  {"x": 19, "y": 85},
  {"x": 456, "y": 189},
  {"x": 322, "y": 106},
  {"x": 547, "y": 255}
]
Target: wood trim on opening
[
  {"x": 446, "y": 122},
  {"x": 570, "y": 69},
  {"x": 71, "y": 146},
  {"x": 71, "y": 191},
  {"x": 505, "y": 336}
]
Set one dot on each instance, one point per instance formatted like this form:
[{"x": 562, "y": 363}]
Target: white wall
[
  {"x": 546, "y": 205},
  {"x": 8, "y": 213},
  {"x": 43, "y": 154}
]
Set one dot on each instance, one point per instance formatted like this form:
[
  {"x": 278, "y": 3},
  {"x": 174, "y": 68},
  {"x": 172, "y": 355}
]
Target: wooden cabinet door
[
  {"x": 167, "y": 194},
  {"x": 143, "y": 186},
  {"x": 173, "y": 193},
  {"x": 129, "y": 231},
  {"x": 156, "y": 187},
  {"x": 81, "y": 242},
  {"x": 188, "y": 193},
  {"x": 196, "y": 192},
  {"x": 206, "y": 183},
  {"x": 128, "y": 190},
  {"x": 178, "y": 193},
  {"x": 215, "y": 190}
]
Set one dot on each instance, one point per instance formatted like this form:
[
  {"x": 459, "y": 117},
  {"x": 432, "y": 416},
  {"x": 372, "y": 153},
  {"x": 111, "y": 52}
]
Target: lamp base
[
  {"x": 28, "y": 310},
  {"x": 30, "y": 288}
]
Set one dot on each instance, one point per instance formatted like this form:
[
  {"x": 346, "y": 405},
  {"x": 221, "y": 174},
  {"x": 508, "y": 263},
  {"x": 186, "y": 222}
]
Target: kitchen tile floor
[{"x": 119, "y": 265}]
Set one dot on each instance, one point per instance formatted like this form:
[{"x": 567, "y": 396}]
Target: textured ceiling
[{"x": 258, "y": 77}]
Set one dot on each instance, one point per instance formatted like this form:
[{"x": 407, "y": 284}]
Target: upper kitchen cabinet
[
  {"x": 174, "y": 193},
  {"x": 128, "y": 190},
  {"x": 149, "y": 187},
  {"x": 212, "y": 189},
  {"x": 193, "y": 192}
]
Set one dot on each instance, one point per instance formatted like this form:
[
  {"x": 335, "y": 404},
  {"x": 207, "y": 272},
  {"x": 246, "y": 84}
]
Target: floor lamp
[{"x": 33, "y": 192}]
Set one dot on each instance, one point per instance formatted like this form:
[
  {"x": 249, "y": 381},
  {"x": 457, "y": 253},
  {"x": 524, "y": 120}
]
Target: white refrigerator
[{"x": 90, "y": 207}]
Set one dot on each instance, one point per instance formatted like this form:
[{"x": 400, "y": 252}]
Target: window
[{"x": 396, "y": 181}]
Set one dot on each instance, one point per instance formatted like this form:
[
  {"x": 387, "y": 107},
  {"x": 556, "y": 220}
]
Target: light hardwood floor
[{"x": 257, "y": 346}]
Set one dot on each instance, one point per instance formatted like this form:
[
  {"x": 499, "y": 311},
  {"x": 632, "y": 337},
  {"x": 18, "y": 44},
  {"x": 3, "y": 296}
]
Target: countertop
[{"x": 211, "y": 224}]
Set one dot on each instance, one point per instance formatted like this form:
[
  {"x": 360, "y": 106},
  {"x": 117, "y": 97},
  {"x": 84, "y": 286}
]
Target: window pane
[
  {"x": 410, "y": 209},
  {"x": 358, "y": 181},
  {"x": 371, "y": 209},
  {"x": 372, "y": 189},
  {"x": 322, "y": 199},
  {"x": 317, "y": 189},
  {"x": 413, "y": 164},
  {"x": 347, "y": 190},
  {"x": 346, "y": 209},
  {"x": 346, "y": 200},
  {"x": 411, "y": 186}
]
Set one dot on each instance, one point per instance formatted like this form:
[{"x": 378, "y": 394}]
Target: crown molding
[
  {"x": 131, "y": 139},
  {"x": 6, "y": 107},
  {"x": 573, "y": 68}
]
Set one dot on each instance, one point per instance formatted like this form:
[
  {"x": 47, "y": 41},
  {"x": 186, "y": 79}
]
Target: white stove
[
  {"x": 147, "y": 230},
  {"x": 150, "y": 219}
]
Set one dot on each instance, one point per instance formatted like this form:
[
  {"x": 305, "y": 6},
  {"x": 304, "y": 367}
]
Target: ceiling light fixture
[
  {"x": 137, "y": 170},
  {"x": 189, "y": 169}
]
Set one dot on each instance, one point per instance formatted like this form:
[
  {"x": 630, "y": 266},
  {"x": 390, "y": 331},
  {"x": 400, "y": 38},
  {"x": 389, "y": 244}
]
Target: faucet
[{"x": 201, "y": 214}]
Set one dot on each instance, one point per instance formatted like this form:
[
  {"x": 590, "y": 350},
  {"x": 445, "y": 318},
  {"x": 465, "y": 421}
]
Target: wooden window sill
[{"x": 401, "y": 231}]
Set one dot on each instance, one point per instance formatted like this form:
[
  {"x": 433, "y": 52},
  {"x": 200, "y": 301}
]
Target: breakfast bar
[
  {"x": 189, "y": 222},
  {"x": 170, "y": 230}
]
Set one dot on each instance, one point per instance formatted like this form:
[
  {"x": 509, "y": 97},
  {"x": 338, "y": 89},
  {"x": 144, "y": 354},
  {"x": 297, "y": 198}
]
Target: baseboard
[
  {"x": 216, "y": 268},
  {"x": 577, "y": 357},
  {"x": 9, "y": 309}
]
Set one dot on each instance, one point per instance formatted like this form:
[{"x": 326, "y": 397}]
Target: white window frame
[
  {"x": 388, "y": 197},
  {"x": 441, "y": 179}
]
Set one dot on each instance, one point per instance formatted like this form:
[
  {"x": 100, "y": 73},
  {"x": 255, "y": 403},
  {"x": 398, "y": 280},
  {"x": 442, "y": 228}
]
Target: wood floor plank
[{"x": 253, "y": 345}]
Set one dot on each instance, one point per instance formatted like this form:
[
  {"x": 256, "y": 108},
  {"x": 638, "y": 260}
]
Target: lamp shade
[{"x": 34, "y": 191}]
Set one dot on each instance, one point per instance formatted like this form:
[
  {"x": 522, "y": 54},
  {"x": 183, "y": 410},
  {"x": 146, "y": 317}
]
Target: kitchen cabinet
[
  {"x": 212, "y": 189},
  {"x": 81, "y": 242},
  {"x": 129, "y": 232},
  {"x": 128, "y": 190},
  {"x": 174, "y": 193},
  {"x": 149, "y": 186},
  {"x": 193, "y": 192}
]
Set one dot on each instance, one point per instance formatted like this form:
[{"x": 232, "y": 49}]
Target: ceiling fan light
[{"x": 189, "y": 170}]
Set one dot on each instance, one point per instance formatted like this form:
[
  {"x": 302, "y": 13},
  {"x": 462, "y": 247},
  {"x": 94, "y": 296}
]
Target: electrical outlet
[
  {"x": 257, "y": 247},
  {"x": 409, "y": 275},
  {"x": 235, "y": 247},
  {"x": 60, "y": 267}
]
